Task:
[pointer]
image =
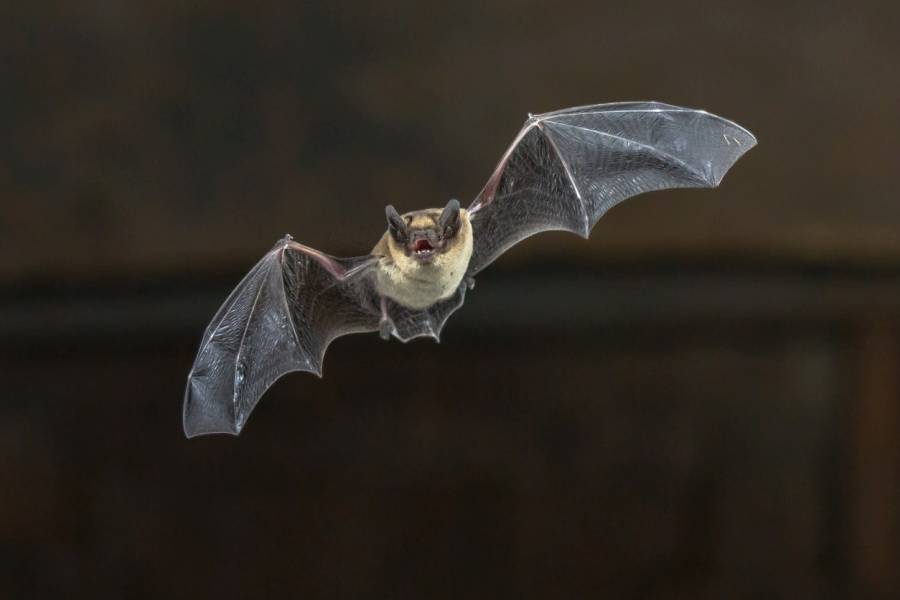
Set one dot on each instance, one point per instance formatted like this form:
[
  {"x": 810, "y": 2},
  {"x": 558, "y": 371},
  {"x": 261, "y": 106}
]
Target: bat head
[{"x": 424, "y": 234}]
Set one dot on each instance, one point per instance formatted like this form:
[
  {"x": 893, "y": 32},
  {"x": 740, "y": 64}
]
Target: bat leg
[
  {"x": 470, "y": 281},
  {"x": 385, "y": 325}
]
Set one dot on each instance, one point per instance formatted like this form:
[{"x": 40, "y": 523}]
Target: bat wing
[
  {"x": 280, "y": 318},
  {"x": 565, "y": 169}
]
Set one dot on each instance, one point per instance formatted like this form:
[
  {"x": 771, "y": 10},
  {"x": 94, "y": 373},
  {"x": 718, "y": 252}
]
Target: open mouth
[{"x": 422, "y": 248}]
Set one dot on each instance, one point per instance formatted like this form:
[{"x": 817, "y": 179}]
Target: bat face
[{"x": 424, "y": 235}]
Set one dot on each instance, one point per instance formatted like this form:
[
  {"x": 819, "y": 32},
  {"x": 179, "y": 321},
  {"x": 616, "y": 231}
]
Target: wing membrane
[
  {"x": 565, "y": 169},
  {"x": 280, "y": 318}
]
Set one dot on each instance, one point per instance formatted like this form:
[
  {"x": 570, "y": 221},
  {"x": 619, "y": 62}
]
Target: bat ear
[
  {"x": 395, "y": 221},
  {"x": 449, "y": 216}
]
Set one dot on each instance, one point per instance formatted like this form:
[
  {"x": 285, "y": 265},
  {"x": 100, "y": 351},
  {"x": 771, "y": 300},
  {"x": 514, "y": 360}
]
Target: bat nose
[{"x": 423, "y": 234}]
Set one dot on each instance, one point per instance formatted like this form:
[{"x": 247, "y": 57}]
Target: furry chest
[{"x": 418, "y": 287}]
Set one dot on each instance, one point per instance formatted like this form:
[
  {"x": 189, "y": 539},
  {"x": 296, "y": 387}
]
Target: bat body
[
  {"x": 563, "y": 171},
  {"x": 422, "y": 277}
]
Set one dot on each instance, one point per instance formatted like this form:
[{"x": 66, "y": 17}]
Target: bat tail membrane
[
  {"x": 280, "y": 318},
  {"x": 565, "y": 169},
  {"x": 410, "y": 324}
]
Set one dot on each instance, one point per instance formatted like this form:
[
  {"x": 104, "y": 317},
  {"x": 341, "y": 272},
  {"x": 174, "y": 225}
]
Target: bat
[{"x": 563, "y": 171}]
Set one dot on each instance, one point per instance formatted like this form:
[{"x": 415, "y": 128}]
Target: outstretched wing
[
  {"x": 280, "y": 318},
  {"x": 565, "y": 169}
]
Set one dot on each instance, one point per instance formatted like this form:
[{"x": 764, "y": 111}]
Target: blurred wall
[
  {"x": 150, "y": 135},
  {"x": 701, "y": 402}
]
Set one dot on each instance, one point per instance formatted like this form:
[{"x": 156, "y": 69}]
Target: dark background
[{"x": 703, "y": 401}]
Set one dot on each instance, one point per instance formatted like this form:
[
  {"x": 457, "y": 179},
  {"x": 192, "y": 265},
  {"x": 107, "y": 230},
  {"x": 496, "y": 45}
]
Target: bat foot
[
  {"x": 385, "y": 328},
  {"x": 470, "y": 282}
]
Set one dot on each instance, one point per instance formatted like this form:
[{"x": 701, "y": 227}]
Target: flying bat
[{"x": 563, "y": 171}]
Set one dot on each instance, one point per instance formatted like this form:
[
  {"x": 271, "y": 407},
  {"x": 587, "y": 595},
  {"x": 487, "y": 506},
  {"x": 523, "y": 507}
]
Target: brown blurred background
[{"x": 703, "y": 401}]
